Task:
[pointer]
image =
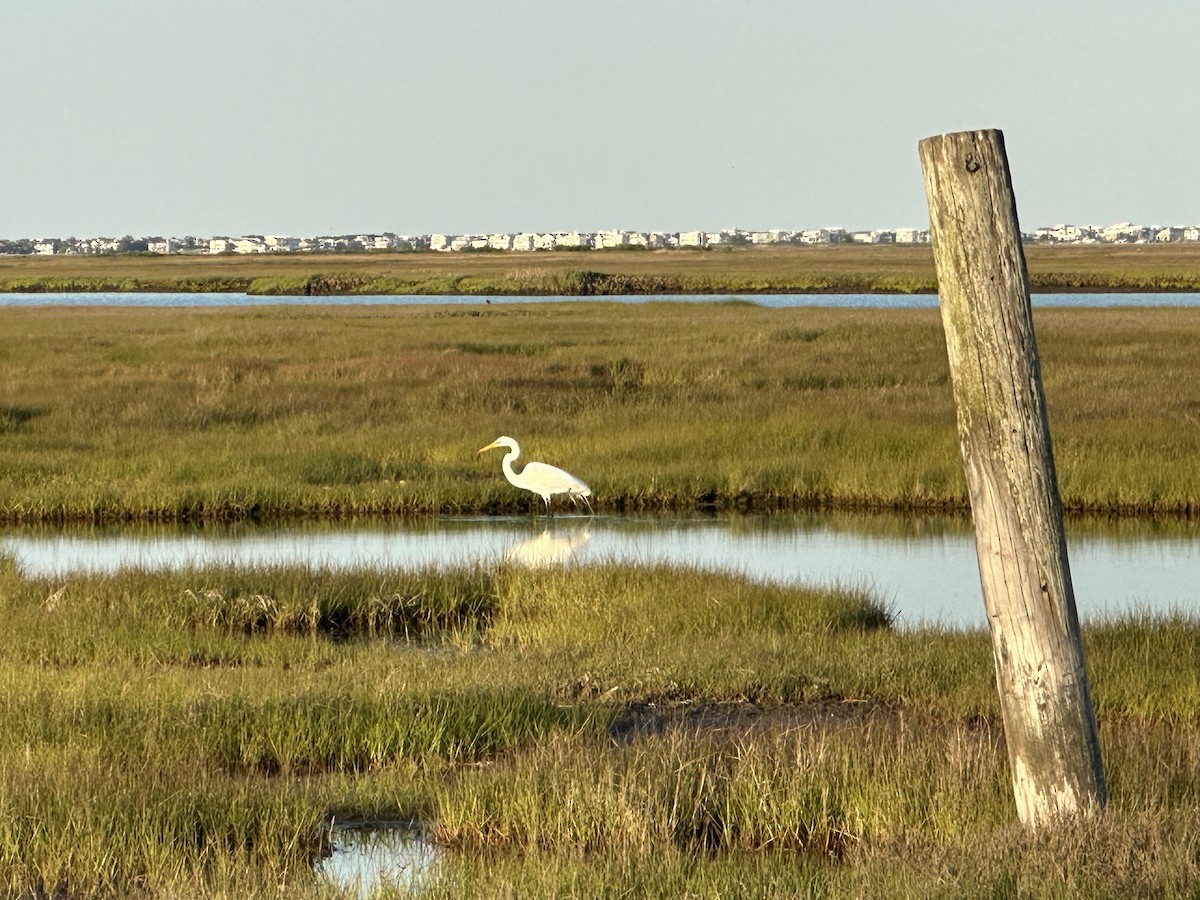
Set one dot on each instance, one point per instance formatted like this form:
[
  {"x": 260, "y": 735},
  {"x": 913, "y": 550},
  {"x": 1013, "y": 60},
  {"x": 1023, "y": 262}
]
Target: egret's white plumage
[{"x": 540, "y": 478}]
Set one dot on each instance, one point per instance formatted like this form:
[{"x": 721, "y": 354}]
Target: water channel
[
  {"x": 923, "y": 566},
  {"x": 887, "y": 301}
]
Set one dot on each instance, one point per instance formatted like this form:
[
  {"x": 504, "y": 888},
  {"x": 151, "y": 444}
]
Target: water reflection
[
  {"x": 367, "y": 856},
  {"x": 549, "y": 548},
  {"x": 923, "y": 565}
]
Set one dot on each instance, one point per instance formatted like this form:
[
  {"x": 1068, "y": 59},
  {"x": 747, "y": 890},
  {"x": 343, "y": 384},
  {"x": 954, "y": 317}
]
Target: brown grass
[{"x": 902, "y": 262}]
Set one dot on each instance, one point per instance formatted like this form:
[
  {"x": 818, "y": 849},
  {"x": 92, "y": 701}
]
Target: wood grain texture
[{"x": 983, "y": 284}]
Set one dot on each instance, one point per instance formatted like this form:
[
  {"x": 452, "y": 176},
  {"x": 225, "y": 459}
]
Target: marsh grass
[
  {"x": 193, "y": 733},
  {"x": 553, "y": 730},
  {"x": 113, "y": 414},
  {"x": 845, "y": 268}
]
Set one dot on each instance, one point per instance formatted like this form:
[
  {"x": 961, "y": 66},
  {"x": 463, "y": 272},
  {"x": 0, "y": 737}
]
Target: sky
[{"x": 302, "y": 118}]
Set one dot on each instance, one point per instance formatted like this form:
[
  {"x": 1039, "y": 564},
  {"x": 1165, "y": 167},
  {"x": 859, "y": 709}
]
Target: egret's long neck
[{"x": 509, "y": 458}]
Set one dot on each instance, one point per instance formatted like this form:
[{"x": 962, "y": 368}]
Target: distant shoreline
[{"x": 880, "y": 269}]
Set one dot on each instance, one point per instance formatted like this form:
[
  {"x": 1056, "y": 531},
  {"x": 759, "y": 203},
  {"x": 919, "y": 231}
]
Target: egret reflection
[{"x": 549, "y": 548}]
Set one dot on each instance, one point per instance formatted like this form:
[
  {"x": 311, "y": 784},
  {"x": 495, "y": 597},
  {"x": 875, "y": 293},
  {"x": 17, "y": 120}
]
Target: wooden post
[{"x": 1049, "y": 724}]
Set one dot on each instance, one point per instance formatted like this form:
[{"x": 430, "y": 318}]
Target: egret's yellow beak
[{"x": 490, "y": 446}]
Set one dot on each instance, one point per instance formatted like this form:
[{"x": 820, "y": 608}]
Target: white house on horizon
[
  {"x": 607, "y": 240},
  {"x": 574, "y": 239}
]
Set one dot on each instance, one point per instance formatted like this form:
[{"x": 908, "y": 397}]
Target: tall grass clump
[
  {"x": 75, "y": 824},
  {"x": 136, "y": 613}
]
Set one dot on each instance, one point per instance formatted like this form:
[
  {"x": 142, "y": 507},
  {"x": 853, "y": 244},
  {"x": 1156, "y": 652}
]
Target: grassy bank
[
  {"x": 111, "y": 413},
  {"x": 555, "y": 732},
  {"x": 836, "y": 268}
]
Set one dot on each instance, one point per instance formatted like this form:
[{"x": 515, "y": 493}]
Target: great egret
[{"x": 541, "y": 479}]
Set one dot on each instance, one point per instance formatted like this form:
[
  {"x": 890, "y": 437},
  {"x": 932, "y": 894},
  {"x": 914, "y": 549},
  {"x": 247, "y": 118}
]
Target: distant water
[{"x": 860, "y": 301}]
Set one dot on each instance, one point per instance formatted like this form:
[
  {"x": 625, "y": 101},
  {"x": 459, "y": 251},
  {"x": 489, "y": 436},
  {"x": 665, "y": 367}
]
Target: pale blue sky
[{"x": 146, "y": 117}]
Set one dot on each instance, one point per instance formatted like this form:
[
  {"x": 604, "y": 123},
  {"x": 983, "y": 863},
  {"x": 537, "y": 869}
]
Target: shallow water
[
  {"x": 924, "y": 567},
  {"x": 893, "y": 301},
  {"x": 368, "y": 855}
]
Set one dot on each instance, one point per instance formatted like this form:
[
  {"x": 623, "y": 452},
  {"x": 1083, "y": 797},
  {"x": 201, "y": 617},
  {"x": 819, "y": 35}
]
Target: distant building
[
  {"x": 873, "y": 237},
  {"x": 824, "y": 236},
  {"x": 279, "y": 244},
  {"x": 1123, "y": 232},
  {"x": 575, "y": 240},
  {"x": 1128, "y": 233},
  {"x": 773, "y": 236},
  {"x": 1064, "y": 234},
  {"x": 607, "y": 240},
  {"x": 469, "y": 242},
  {"x": 411, "y": 241}
]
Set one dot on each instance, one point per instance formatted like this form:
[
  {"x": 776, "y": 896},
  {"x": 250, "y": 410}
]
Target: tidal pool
[
  {"x": 365, "y": 856},
  {"x": 923, "y": 566}
]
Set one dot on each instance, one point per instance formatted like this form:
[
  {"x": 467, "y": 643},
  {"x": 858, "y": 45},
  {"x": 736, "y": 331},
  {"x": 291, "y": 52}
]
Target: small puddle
[{"x": 366, "y": 856}]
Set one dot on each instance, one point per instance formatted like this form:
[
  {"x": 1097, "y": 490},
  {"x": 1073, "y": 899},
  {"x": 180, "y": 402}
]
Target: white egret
[{"x": 540, "y": 478}]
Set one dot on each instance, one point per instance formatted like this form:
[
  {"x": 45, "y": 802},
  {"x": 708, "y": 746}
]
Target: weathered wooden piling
[{"x": 1049, "y": 723}]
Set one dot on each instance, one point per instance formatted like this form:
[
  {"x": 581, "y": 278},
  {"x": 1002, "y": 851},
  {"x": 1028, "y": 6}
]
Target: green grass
[
  {"x": 556, "y": 732},
  {"x": 114, "y": 414},
  {"x": 192, "y": 733}
]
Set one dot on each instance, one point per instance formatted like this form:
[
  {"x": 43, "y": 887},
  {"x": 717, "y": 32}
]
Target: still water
[
  {"x": 366, "y": 857},
  {"x": 924, "y": 567},
  {"x": 890, "y": 301}
]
